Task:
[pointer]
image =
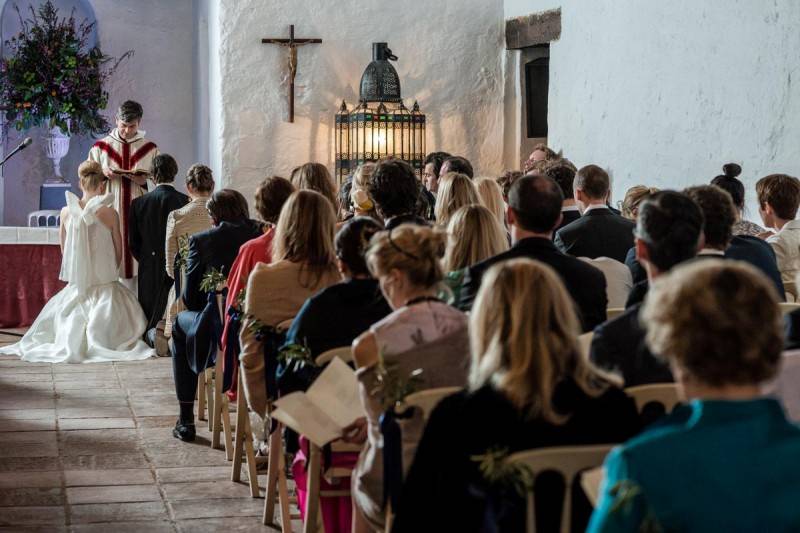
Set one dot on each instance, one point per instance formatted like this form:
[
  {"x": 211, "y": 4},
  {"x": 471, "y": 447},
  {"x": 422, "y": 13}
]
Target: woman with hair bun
[
  {"x": 729, "y": 181},
  {"x": 423, "y": 333},
  {"x": 74, "y": 326}
]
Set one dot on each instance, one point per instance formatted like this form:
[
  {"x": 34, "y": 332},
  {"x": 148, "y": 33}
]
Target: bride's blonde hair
[{"x": 91, "y": 175}]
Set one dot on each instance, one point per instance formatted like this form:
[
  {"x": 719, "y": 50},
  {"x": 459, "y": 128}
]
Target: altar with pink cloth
[{"x": 30, "y": 260}]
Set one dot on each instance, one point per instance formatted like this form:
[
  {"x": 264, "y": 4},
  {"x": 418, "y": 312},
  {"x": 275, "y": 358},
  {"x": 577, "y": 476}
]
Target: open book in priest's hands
[{"x": 329, "y": 405}]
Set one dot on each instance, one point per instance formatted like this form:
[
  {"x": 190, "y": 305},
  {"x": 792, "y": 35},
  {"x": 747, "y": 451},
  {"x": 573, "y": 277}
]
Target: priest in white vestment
[{"x": 126, "y": 157}]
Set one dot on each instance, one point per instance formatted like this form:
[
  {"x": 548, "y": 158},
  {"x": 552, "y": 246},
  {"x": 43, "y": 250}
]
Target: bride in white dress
[{"x": 94, "y": 318}]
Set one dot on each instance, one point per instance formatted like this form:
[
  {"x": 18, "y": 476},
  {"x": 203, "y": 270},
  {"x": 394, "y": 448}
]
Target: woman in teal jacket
[{"x": 729, "y": 460}]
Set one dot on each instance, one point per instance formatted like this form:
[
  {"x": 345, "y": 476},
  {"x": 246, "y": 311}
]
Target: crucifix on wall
[{"x": 291, "y": 43}]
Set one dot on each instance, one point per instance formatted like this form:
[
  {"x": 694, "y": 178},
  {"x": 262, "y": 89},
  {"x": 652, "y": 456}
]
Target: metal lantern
[{"x": 380, "y": 126}]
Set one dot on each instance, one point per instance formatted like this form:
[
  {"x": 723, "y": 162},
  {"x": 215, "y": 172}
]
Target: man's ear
[
  {"x": 510, "y": 216},
  {"x": 642, "y": 253}
]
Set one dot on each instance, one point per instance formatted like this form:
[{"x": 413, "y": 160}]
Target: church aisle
[{"x": 89, "y": 448}]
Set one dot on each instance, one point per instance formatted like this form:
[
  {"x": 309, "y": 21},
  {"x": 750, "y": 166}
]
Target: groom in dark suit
[
  {"x": 196, "y": 332},
  {"x": 147, "y": 228}
]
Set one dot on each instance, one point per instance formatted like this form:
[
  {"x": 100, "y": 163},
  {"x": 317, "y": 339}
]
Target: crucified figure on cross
[{"x": 292, "y": 44}]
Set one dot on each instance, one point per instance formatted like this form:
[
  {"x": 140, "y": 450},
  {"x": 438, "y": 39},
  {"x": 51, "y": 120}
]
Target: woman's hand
[{"x": 356, "y": 433}]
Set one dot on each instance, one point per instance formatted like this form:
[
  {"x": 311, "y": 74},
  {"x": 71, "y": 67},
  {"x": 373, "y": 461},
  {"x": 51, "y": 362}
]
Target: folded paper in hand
[{"x": 329, "y": 405}]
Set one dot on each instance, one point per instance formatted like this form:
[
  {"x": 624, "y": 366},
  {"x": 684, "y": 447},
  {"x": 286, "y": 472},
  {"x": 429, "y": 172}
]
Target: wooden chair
[
  {"x": 585, "y": 341},
  {"x": 314, "y": 494},
  {"x": 243, "y": 450},
  {"x": 665, "y": 394},
  {"x": 424, "y": 400},
  {"x": 614, "y": 312},
  {"x": 220, "y": 417},
  {"x": 569, "y": 461},
  {"x": 345, "y": 353},
  {"x": 788, "y": 307}
]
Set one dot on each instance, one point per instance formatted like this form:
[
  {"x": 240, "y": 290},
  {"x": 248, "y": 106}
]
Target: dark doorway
[{"x": 537, "y": 80}]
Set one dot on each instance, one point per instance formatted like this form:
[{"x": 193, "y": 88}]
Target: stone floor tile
[
  {"x": 28, "y": 376},
  {"x": 125, "y": 527},
  {"x": 98, "y": 447},
  {"x": 27, "y": 370},
  {"x": 28, "y": 464},
  {"x": 118, "y": 401},
  {"x": 27, "y": 414},
  {"x": 188, "y": 509},
  {"x": 28, "y": 403},
  {"x": 193, "y": 473},
  {"x": 113, "y": 494},
  {"x": 28, "y": 444},
  {"x": 20, "y": 479},
  {"x": 33, "y": 516},
  {"x": 27, "y": 425},
  {"x": 106, "y": 461},
  {"x": 243, "y": 524},
  {"x": 117, "y": 512},
  {"x": 204, "y": 490},
  {"x": 191, "y": 457},
  {"x": 166, "y": 421},
  {"x": 151, "y": 409},
  {"x": 101, "y": 412},
  {"x": 34, "y": 529},
  {"x": 120, "y": 476},
  {"x": 86, "y": 384},
  {"x": 70, "y": 424},
  {"x": 37, "y": 496}
]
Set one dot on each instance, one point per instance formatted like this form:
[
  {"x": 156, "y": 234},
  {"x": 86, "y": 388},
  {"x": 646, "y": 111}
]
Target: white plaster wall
[
  {"x": 664, "y": 93},
  {"x": 160, "y": 76},
  {"x": 450, "y": 61}
]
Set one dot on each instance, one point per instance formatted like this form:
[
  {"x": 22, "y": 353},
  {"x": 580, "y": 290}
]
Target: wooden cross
[{"x": 292, "y": 44}]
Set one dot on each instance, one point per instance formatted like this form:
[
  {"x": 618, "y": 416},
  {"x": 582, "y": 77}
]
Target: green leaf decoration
[
  {"x": 296, "y": 353},
  {"x": 213, "y": 280},
  {"x": 498, "y": 471},
  {"x": 392, "y": 386}
]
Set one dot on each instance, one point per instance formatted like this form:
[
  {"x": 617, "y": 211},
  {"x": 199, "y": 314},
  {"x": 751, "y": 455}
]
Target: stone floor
[{"x": 89, "y": 448}]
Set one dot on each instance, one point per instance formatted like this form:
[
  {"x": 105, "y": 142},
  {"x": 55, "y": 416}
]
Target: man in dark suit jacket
[
  {"x": 599, "y": 231},
  {"x": 669, "y": 229},
  {"x": 147, "y": 229},
  {"x": 534, "y": 210},
  {"x": 196, "y": 331},
  {"x": 720, "y": 216}
]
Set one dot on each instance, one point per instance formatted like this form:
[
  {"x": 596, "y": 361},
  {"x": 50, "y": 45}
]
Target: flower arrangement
[
  {"x": 213, "y": 281},
  {"x": 52, "y": 76}
]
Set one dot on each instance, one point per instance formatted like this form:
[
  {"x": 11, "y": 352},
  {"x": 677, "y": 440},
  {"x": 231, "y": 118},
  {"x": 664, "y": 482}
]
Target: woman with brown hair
[
  {"x": 529, "y": 387},
  {"x": 728, "y": 460},
  {"x": 271, "y": 195},
  {"x": 303, "y": 262},
  {"x": 474, "y": 234},
  {"x": 421, "y": 333},
  {"x": 315, "y": 177},
  {"x": 455, "y": 191}
]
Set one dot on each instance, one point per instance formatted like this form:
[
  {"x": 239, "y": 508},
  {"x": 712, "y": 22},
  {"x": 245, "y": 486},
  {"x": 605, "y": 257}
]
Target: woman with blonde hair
[
  {"x": 362, "y": 202},
  {"x": 94, "y": 318},
  {"x": 421, "y": 333},
  {"x": 303, "y": 262},
  {"x": 491, "y": 196},
  {"x": 474, "y": 234},
  {"x": 455, "y": 191},
  {"x": 315, "y": 177},
  {"x": 629, "y": 207},
  {"x": 529, "y": 387}
]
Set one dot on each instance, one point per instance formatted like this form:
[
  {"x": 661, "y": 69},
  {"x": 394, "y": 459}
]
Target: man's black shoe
[{"x": 185, "y": 432}]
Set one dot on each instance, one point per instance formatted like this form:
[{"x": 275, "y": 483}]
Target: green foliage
[
  {"x": 392, "y": 386},
  {"x": 213, "y": 280},
  {"x": 296, "y": 353},
  {"x": 497, "y": 471},
  {"x": 52, "y": 77}
]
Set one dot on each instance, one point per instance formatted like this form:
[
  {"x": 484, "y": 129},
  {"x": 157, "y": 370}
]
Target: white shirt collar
[
  {"x": 710, "y": 251},
  {"x": 566, "y": 208},
  {"x": 165, "y": 185},
  {"x": 594, "y": 207}
]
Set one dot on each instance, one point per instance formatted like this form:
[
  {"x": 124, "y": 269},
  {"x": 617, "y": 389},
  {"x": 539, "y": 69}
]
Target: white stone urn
[{"x": 56, "y": 147}]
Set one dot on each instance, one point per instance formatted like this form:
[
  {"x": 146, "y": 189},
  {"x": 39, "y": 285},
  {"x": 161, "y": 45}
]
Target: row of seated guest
[
  {"x": 271, "y": 195},
  {"x": 183, "y": 223},
  {"x": 528, "y": 387},
  {"x": 303, "y": 263},
  {"x": 727, "y": 461},
  {"x": 195, "y": 332},
  {"x": 332, "y": 318},
  {"x": 779, "y": 199},
  {"x": 423, "y": 333}
]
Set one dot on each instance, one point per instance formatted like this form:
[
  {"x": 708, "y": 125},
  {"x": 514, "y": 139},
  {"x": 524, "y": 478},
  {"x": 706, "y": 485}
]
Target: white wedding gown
[{"x": 94, "y": 318}]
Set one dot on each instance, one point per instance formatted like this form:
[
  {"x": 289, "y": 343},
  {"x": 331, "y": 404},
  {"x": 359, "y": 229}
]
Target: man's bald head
[{"x": 536, "y": 202}]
